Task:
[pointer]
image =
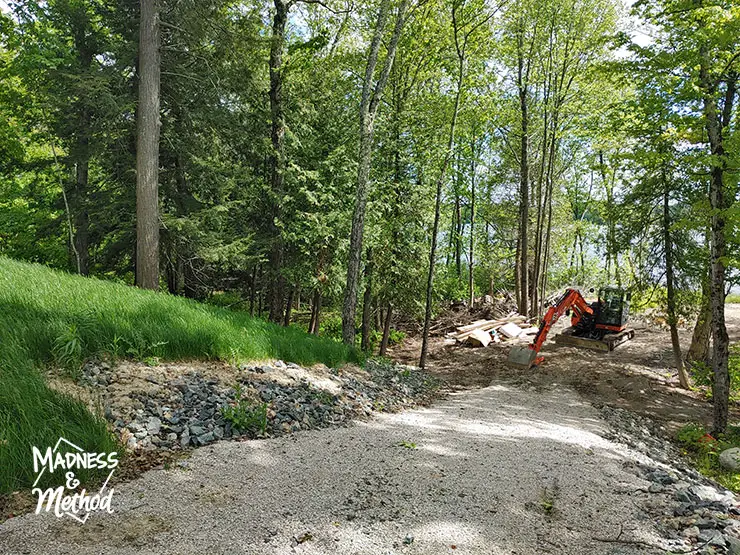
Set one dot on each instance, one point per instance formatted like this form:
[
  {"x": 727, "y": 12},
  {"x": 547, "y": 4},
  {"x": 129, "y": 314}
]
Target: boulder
[{"x": 730, "y": 459}]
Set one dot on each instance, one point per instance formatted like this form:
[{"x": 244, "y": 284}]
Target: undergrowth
[
  {"x": 245, "y": 414},
  {"x": 704, "y": 450}
]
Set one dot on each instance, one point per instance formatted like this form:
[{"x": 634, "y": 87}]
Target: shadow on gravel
[{"x": 486, "y": 472}]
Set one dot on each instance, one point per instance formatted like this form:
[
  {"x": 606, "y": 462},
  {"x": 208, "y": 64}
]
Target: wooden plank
[
  {"x": 493, "y": 325},
  {"x": 511, "y": 330},
  {"x": 475, "y": 325},
  {"x": 479, "y": 338}
]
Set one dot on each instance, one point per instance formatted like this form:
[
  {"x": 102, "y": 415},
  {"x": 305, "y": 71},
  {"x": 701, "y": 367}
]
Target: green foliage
[
  {"x": 331, "y": 327},
  {"x": 139, "y": 348},
  {"x": 704, "y": 449},
  {"x": 31, "y": 414},
  {"x": 394, "y": 338},
  {"x": 68, "y": 348},
  {"x": 703, "y": 376},
  {"x": 226, "y": 299},
  {"x": 244, "y": 414},
  {"x": 48, "y": 316}
]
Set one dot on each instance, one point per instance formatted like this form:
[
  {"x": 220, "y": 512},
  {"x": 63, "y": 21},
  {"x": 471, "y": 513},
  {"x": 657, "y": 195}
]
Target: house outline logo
[{"x": 77, "y": 505}]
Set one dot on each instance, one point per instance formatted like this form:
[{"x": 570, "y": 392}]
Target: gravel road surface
[{"x": 492, "y": 471}]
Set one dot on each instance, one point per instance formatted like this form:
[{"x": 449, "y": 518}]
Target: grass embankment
[{"x": 49, "y": 317}]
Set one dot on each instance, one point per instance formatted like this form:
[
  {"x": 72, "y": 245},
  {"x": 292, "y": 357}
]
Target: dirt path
[
  {"x": 480, "y": 473},
  {"x": 516, "y": 463},
  {"x": 639, "y": 375}
]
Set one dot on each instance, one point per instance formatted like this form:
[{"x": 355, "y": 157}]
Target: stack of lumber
[{"x": 482, "y": 332}]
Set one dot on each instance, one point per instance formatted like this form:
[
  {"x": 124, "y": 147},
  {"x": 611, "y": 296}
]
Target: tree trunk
[
  {"x": 81, "y": 152},
  {"x": 683, "y": 377},
  {"x": 252, "y": 291},
  {"x": 369, "y": 104},
  {"x": 458, "y": 235},
  {"x": 386, "y": 330},
  {"x": 471, "y": 246},
  {"x": 174, "y": 273},
  {"x": 718, "y": 204},
  {"x": 277, "y": 160},
  {"x": 699, "y": 349},
  {"x": 523, "y": 192},
  {"x": 437, "y": 205},
  {"x": 367, "y": 302},
  {"x": 612, "y": 256},
  {"x": 289, "y": 307},
  {"x": 313, "y": 313},
  {"x": 147, "y": 149},
  {"x": 317, "y": 300},
  {"x": 82, "y": 218}
]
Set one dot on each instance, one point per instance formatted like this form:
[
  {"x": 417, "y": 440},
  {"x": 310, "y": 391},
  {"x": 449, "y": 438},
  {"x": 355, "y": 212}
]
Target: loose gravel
[{"x": 494, "y": 471}]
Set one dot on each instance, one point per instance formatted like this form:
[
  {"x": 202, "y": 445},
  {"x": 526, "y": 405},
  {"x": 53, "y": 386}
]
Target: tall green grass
[{"x": 51, "y": 317}]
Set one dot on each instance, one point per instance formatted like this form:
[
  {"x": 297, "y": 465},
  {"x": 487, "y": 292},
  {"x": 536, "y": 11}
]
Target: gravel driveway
[{"x": 492, "y": 471}]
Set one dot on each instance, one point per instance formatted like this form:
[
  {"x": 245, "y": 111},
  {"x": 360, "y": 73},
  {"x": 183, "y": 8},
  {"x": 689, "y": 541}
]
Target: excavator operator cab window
[{"x": 613, "y": 305}]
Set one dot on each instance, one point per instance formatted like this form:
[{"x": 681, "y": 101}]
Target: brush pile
[{"x": 481, "y": 333}]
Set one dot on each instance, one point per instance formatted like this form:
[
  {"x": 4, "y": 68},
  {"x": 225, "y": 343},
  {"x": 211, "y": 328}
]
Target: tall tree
[
  {"x": 147, "y": 149},
  {"x": 683, "y": 376},
  {"x": 467, "y": 19},
  {"x": 277, "y": 158},
  {"x": 372, "y": 92}
]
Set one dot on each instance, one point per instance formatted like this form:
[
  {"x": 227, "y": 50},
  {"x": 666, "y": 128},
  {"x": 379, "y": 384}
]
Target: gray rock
[
  {"x": 197, "y": 430},
  {"x": 691, "y": 532},
  {"x": 208, "y": 437},
  {"x": 733, "y": 545},
  {"x": 154, "y": 425},
  {"x": 661, "y": 477},
  {"x": 712, "y": 537},
  {"x": 706, "y": 523},
  {"x": 730, "y": 459},
  {"x": 711, "y": 495}
]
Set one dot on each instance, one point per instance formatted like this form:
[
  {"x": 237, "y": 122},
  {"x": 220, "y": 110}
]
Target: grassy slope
[{"x": 43, "y": 312}]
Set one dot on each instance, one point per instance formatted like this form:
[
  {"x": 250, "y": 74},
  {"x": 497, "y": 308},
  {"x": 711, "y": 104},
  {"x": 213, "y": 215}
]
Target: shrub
[{"x": 245, "y": 415}]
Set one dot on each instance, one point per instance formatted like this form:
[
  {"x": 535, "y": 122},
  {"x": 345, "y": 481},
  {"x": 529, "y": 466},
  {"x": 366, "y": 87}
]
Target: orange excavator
[{"x": 601, "y": 325}]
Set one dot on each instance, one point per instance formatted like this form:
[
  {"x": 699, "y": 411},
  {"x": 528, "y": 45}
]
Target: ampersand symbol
[{"x": 72, "y": 482}]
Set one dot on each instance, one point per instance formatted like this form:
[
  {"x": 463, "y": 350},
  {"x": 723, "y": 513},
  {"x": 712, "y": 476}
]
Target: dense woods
[{"x": 359, "y": 161}]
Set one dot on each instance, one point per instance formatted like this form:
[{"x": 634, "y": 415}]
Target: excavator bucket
[{"x": 522, "y": 356}]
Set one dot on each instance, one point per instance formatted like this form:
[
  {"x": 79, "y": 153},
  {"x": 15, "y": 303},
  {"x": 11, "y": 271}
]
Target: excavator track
[{"x": 608, "y": 343}]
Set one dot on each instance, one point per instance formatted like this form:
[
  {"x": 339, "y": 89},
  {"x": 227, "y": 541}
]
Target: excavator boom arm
[
  {"x": 571, "y": 299},
  {"x": 525, "y": 357}
]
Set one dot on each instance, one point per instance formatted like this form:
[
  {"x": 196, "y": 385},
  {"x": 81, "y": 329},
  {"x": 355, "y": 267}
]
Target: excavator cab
[{"x": 613, "y": 309}]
